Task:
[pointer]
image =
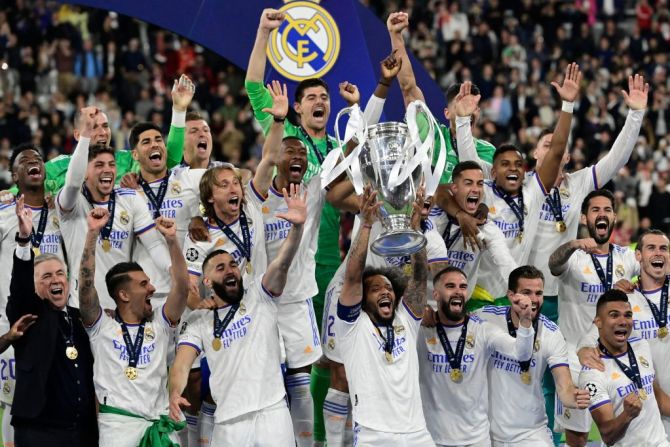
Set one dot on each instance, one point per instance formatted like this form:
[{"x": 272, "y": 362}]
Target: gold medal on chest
[
  {"x": 456, "y": 375},
  {"x": 71, "y": 353},
  {"x": 526, "y": 378}
]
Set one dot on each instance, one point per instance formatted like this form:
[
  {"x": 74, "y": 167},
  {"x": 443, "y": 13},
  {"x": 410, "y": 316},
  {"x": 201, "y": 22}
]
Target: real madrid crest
[
  {"x": 125, "y": 218},
  {"x": 536, "y": 346},
  {"x": 619, "y": 270},
  {"x": 331, "y": 343},
  {"x": 564, "y": 192},
  {"x": 242, "y": 309},
  {"x": 176, "y": 188},
  {"x": 55, "y": 221},
  {"x": 398, "y": 329},
  {"x": 469, "y": 342},
  {"x": 6, "y": 388},
  {"x": 306, "y": 44},
  {"x": 149, "y": 333}
]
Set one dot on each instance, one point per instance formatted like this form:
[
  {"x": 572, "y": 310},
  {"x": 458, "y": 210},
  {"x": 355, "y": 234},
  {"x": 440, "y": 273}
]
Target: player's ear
[
  {"x": 134, "y": 154},
  {"x": 598, "y": 321},
  {"x": 582, "y": 219}
]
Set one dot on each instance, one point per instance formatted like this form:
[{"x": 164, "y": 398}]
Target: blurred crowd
[{"x": 55, "y": 58}]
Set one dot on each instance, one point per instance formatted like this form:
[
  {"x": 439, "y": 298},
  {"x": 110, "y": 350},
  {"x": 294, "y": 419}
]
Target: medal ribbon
[
  {"x": 221, "y": 325},
  {"x": 554, "y": 202},
  {"x": 448, "y": 239},
  {"x": 36, "y": 237},
  {"x": 69, "y": 340},
  {"x": 660, "y": 315},
  {"x": 155, "y": 199},
  {"x": 319, "y": 155},
  {"x": 244, "y": 245},
  {"x": 388, "y": 340},
  {"x": 517, "y": 208},
  {"x": 632, "y": 371},
  {"x": 454, "y": 358},
  {"x": 111, "y": 205},
  {"x": 525, "y": 365},
  {"x": 605, "y": 279},
  {"x": 134, "y": 349}
]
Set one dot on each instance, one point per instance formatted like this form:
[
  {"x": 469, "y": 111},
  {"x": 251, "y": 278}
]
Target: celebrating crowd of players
[{"x": 156, "y": 297}]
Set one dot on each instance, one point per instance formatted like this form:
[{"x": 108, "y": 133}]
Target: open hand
[
  {"x": 297, "y": 205},
  {"x": 570, "y": 88},
  {"x": 279, "y": 96},
  {"x": 183, "y": 90},
  {"x": 638, "y": 93}
]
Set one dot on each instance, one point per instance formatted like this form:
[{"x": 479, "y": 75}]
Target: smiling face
[
  {"x": 379, "y": 298},
  {"x": 136, "y": 293},
  {"x": 534, "y": 289},
  {"x": 28, "y": 170},
  {"x": 314, "y": 108},
  {"x": 197, "y": 142},
  {"x": 51, "y": 282},
  {"x": 223, "y": 276},
  {"x": 101, "y": 174},
  {"x": 450, "y": 292},
  {"x": 614, "y": 321},
  {"x": 150, "y": 152},
  {"x": 227, "y": 194},
  {"x": 508, "y": 171},
  {"x": 599, "y": 219},
  {"x": 652, "y": 254},
  {"x": 468, "y": 189},
  {"x": 293, "y": 160}
]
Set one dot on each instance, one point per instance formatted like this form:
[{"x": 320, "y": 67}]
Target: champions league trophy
[{"x": 391, "y": 158}]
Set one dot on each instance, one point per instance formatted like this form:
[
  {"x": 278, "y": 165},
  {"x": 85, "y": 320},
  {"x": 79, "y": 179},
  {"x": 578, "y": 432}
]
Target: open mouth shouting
[
  {"x": 155, "y": 157},
  {"x": 472, "y": 202},
  {"x": 658, "y": 265},
  {"x": 602, "y": 226},
  {"x": 621, "y": 334},
  {"x": 107, "y": 181},
  {"x": 201, "y": 147},
  {"x": 513, "y": 181},
  {"x": 296, "y": 170},
  {"x": 56, "y": 291},
  {"x": 385, "y": 305},
  {"x": 456, "y": 304},
  {"x": 234, "y": 203},
  {"x": 35, "y": 172}
]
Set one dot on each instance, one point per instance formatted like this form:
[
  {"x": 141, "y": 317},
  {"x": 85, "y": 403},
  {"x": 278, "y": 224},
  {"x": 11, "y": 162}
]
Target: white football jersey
[
  {"x": 51, "y": 242},
  {"x": 517, "y": 410},
  {"x": 467, "y": 259},
  {"x": 580, "y": 287},
  {"x": 384, "y": 396},
  {"x": 131, "y": 219},
  {"x": 7, "y": 368},
  {"x": 147, "y": 395},
  {"x": 181, "y": 202},
  {"x": 612, "y": 386},
  {"x": 246, "y": 372},
  {"x": 301, "y": 274},
  {"x": 457, "y": 413}
]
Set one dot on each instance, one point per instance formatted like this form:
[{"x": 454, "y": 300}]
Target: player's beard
[
  {"x": 374, "y": 313},
  {"x": 593, "y": 232},
  {"x": 453, "y": 316},
  {"x": 230, "y": 298}
]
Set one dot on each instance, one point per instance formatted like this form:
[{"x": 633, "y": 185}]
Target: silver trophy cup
[{"x": 385, "y": 145}]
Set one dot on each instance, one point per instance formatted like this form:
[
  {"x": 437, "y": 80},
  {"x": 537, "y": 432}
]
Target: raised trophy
[{"x": 394, "y": 161}]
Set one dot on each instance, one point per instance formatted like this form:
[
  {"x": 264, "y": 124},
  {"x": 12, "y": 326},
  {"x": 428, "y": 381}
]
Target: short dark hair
[
  {"x": 544, "y": 132},
  {"x": 655, "y": 231},
  {"x": 464, "y": 166},
  {"x": 445, "y": 271},
  {"x": 294, "y": 138},
  {"x": 597, "y": 193},
  {"x": 611, "y": 296},
  {"x": 307, "y": 83},
  {"x": 21, "y": 148},
  {"x": 524, "y": 271},
  {"x": 117, "y": 277},
  {"x": 138, "y": 129},
  {"x": 394, "y": 276},
  {"x": 212, "y": 255},
  {"x": 507, "y": 147},
  {"x": 194, "y": 116},
  {"x": 98, "y": 149},
  {"x": 454, "y": 88}
]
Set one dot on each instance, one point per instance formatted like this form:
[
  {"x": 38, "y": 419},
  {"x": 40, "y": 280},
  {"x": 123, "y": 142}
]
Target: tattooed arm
[
  {"x": 415, "y": 293},
  {"x": 559, "y": 258},
  {"x": 89, "y": 304}
]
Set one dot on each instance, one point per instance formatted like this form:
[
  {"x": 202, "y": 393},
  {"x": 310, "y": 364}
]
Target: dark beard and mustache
[
  {"x": 593, "y": 232},
  {"x": 447, "y": 312},
  {"x": 231, "y": 298},
  {"x": 374, "y": 314}
]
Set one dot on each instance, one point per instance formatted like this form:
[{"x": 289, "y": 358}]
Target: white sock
[
  {"x": 7, "y": 428},
  {"x": 335, "y": 411},
  {"x": 302, "y": 408},
  {"x": 206, "y": 423},
  {"x": 349, "y": 428},
  {"x": 191, "y": 432}
]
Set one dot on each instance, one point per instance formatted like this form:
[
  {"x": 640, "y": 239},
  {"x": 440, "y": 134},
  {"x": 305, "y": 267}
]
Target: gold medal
[
  {"x": 71, "y": 353},
  {"x": 642, "y": 393},
  {"x": 456, "y": 375},
  {"x": 248, "y": 268},
  {"x": 560, "y": 226},
  {"x": 519, "y": 237},
  {"x": 663, "y": 332},
  {"x": 106, "y": 245},
  {"x": 407, "y": 269},
  {"x": 36, "y": 250},
  {"x": 525, "y": 377},
  {"x": 131, "y": 373},
  {"x": 242, "y": 309},
  {"x": 389, "y": 357},
  {"x": 216, "y": 344}
]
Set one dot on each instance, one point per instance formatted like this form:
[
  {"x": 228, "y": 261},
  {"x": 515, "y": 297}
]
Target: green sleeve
[
  {"x": 125, "y": 164},
  {"x": 175, "y": 146},
  {"x": 485, "y": 150},
  {"x": 260, "y": 98},
  {"x": 56, "y": 170},
  {"x": 14, "y": 190},
  {"x": 422, "y": 125}
]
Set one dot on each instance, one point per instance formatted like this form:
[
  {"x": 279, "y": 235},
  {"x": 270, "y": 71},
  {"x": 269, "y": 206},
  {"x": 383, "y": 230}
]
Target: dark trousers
[{"x": 27, "y": 436}]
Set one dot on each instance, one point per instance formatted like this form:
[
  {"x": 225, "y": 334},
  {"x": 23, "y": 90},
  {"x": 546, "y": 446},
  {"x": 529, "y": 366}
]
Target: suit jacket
[{"x": 35, "y": 351}]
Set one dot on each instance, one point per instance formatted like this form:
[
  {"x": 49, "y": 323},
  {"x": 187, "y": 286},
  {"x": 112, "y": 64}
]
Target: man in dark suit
[{"x": 54, "y": 401}]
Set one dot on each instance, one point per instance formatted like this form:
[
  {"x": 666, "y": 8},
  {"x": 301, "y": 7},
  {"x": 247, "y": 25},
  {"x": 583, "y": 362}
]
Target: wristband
[
  {"x": 385, "y": 84},
  {"x": 21, "y": 240},
  {"x": 279, "y": 120},
  {"x": 568, "y": 106},
  {"x": 368, "y": 226}
]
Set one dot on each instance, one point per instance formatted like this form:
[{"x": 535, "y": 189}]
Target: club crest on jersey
[
  {"x": 192, "y": 254},
  {"x": 566, "y": 413},
  {"x": 620, "y": 270},
  {"x": 306, "y": 44},
  {"x": 564, "y": 192},
  {"x": 6, "y": 388},
  {"x": 125, "y": 218},
  {"x": 536, "y": 346},
  {"x": 644, "y": 362},
  {"x": 398, "y": 329},
  {"x": 331, "y": 343},
  {"x": 55, "y": 221},
  {"x": 175, "y": 188},
  {"x": 469, "y": 342},
  {"x": 149, "y": 333}
]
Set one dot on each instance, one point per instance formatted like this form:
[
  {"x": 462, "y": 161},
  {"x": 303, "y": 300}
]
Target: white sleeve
[
  {"x": 594, "y": 381},
  {"x": 466, "y": 145},
  {"x": 498, "y": 250},
  {"x": 373, "y": 110},
  {"x": 76, "y": 173},
  {"x": 559, "y": 350},
  {"x": 519, "y": 347},
  {"x": 608, "y": 166},
  {"x": 436, "y": 250}
]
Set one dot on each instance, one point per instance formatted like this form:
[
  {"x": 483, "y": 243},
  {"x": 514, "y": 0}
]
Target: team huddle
[{"x": 157, "y": 297}]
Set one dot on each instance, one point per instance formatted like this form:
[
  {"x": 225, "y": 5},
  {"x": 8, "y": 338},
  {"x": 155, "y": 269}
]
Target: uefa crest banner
[{"x": 337, "y": 40}]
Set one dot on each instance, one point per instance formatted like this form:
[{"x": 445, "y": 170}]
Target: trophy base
[{"x": 398, "y": 243}]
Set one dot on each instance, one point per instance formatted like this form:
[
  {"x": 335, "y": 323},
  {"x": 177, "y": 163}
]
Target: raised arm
[
  {"x": 521, "y": 346},
  {"x": 76, "y": 172},
  {"x": 176, "y": 299},
  {"x": 465, "y": 105},
  {"x": 559, "y": 258},
  {"x": 179, "y": 370},
  {"x": 22, "y": 298},
  {"x": 416, "y": 291},
  {"x": 270, "y": 19},
  {"x": 89, "y": 304},
  {"x": 275, "y": 276},
  {"x": 636, "y": 100},
  {"x": 395, "y": 24},
  {"x": 389, "y": 68},
  {"x": 182, "y": 95},
  {"x": 548, "y": 171},
  {"x": 273, "y": 140},
  {"x": 16, "y": 331}
]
